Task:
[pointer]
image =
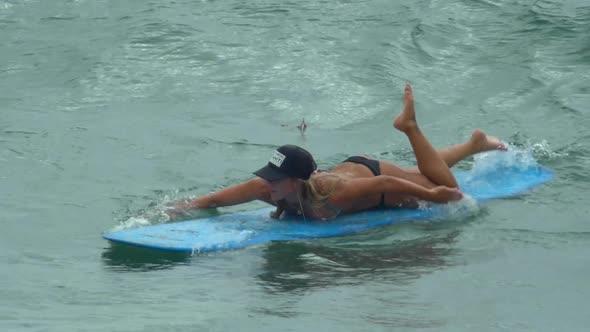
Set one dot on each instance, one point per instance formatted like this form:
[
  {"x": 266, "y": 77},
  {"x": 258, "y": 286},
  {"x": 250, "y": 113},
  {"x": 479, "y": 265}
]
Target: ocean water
[{"x": 110, "y": 109}]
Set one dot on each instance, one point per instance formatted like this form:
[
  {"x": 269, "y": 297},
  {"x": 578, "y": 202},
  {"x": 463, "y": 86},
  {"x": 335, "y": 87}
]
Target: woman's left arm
[{"x": 355, "y": 188}]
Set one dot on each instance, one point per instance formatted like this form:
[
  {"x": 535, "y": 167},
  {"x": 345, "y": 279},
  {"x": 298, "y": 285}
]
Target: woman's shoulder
[{"x": 325, "y": 182}]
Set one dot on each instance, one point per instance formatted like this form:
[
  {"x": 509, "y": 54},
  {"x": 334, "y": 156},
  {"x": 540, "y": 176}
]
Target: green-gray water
[{"x": 112, "y": 108}]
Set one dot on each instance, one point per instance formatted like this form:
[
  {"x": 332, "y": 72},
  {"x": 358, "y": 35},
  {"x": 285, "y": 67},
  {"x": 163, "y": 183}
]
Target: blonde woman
[{"x": 291, "y": 181}]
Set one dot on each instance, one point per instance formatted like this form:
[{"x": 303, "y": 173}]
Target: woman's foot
[
  {"x": 482, "y": 142},
  {"x": 406, "y": 120}
]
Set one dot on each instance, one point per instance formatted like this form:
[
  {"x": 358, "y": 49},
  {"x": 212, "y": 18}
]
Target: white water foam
[
  {"x": 132, "y": 222},
  {"x": 521, "y": 157},
  {"x": 154, "y": 215},
  {"x": 464, "y": 208}
]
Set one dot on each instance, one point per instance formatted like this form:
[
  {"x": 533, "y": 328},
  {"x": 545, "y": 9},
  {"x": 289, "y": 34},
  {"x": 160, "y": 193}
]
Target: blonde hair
[{"x": 318, "y": 197}]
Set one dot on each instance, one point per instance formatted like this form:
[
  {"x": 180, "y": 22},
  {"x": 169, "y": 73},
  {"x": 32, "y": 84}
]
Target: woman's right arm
[{"x": 254, "y": 189}]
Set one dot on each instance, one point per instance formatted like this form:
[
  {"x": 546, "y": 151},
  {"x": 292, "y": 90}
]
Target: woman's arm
[
  {"x": 355, "y": 188},
  {"x": 255, "y": 189}
]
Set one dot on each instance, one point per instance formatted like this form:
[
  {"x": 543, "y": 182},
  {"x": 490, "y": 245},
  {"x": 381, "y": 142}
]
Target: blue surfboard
[{"x": 495, "y": 175}]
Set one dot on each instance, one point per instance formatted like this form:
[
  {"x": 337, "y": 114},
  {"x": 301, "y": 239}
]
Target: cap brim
[{"x": 269, "y": 173}]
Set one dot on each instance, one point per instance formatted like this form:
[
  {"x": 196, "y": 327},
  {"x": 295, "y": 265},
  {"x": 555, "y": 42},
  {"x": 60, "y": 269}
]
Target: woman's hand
[
  {"x": 281, "y": 206},
  {"x": 443, "y": 194},
  {"x": 276, "y": 214},
  {"x": 179, "y": 209}
]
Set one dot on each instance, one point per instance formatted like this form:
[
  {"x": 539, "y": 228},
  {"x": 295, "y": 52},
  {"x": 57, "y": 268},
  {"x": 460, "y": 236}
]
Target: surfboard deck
[{"x": 499, "y": 176}]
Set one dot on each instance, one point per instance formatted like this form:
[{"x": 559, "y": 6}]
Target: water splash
[
  {"x": 520, "y": 157},
  {"x": 156, "y": 213},
  {"x": 542, "y": 151},
  {"x": 464, "y": 208},
  {"x": 132, "y": 222}
]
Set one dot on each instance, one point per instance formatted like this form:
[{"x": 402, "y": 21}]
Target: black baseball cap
[{"x": 288, "y": 161}]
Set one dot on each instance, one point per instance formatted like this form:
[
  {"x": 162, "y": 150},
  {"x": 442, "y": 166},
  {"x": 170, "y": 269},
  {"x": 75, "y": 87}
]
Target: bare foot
[
  {"x": 483, "y": 142},
  {"x": 407, "y": 118}
]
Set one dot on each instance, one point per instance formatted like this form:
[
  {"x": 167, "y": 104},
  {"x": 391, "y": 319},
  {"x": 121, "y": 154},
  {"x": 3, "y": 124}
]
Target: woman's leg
[
  {"x": 479, "y": 142},
  {"x": 430, "y": 162},
  {"x": 451, "y": 155}
]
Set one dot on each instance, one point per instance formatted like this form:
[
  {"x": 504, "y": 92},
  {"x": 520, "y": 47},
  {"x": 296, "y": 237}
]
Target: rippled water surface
[{"x": 112, "y": 108}]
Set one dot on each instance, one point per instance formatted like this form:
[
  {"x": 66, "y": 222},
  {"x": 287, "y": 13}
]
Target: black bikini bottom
[{"x": 373, "y": 166}]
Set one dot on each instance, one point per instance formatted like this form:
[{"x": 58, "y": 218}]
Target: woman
[{"x": 291, "y": 182}]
